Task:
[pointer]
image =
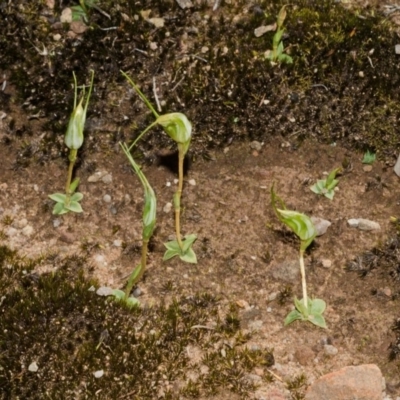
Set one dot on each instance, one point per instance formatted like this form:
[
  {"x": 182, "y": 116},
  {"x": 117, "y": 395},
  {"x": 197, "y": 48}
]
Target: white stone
[
  {"x": 107, "y": 178},
  {"x": 167, "y": 208},
  {"x": 117, "y": 243},
  {"x": 192, "y": 182},
  {"x": 330, "y": 350},
  {"x": 364, "y": 224},
  {"x": 397, "y": 49},
  {"x": 66, "y": 16},
  {"x": 153, "y": 46},
  {"x": 326, "y": 263},
  {"x": 397, "y": 165},
  {"x": 98, "y": 374},
  {"x": 96, "y": 176},
  {"x": 107, "y": 198},
  {"x": 104, "y": 291},
  {"x": 321, "y": 225},
  {"x": 33, "y": 367}
]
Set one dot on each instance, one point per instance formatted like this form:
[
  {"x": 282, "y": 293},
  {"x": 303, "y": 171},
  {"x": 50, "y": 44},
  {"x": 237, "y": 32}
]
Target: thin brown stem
[
  {"x": 303, "y": 279},
  {"x": 177, "y": 199},
  {"x": 72, "y": 159},
  {"x": 142, "y": 266}
]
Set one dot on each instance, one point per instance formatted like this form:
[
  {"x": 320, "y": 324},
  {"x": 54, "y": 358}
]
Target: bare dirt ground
[{"x": 247, "y": 259}]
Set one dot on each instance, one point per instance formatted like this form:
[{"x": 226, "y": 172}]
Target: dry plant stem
[
  {"x": 178, "y": 197},
  {"x": 72, "y": 159},
  {"x": 303, "y": 279},
  {"x": 142, "y": 267}
]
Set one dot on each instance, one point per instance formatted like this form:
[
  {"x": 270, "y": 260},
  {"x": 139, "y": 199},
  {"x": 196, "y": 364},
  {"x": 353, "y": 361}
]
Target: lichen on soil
[{"x": 214, "y": 330}]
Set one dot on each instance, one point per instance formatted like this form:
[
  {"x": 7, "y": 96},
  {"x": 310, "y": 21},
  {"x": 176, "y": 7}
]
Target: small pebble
[
  {"x": 326, "y": 263},
  {"x": 96, "y": 176},
  {"x": 98, "y": 374},
  {"x": 113, "y": 210},
  {"x": 167, "y": 208},
  {"x": 192, "y": 182},
  {"x": 104, "y": 291},
  {"x": 127, "y": 198},
  {"x": 137, "y": 292},
  {"x": 107, "y": 178},
  {"x": 36, "y": 188},
  {"x": 367, "y": 168},
  {"x": 33, "y": 367},
  {"x": 117, "y": 243},
  {"x": 10, "y": 231},
  {"x": 176, "y": 181},
  {"x": 56, "y": 223},
  {"x": 168, "y": 184},
  {"x": 330, "y": 350},
  {"x": 153, "y": 46},
  {"x": 273, "y": 296},
  {"x": 107, "y": 198}
]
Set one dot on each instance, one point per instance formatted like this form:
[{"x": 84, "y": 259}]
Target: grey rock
[
  {"x": 321, "y": 225},
  {"x": 107, "y": 198},
  {"x": 107, "y": 178},
  {"x": 96, "y": 176},
  {"x": 326, "y": 263},
  {"x": 104, "y": 291},
  {"x": 286, "y": 271},
  {"x": 396, "y": 167},
  {"x": 364, "y": 382},
  {"x": 56, "y": 222},
  {"x": 330, "y": 350},
  {"x": 364, "y": 224},
  {"x": 184, "y": 4}
]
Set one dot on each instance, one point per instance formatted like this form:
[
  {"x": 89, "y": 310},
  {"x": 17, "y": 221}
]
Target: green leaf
[
  {"x": 369, "y": 157},
  {"x": 119, "y": 294},
  {"x": 135, "y": 273},
  {"x": 75, "y": 207},
  {"x": 279, "y": 50},
  {"x": 318, "y": 306},
  {"x": 317, "y": 320},
  {"x": 277, "y": 38},
  {"x": 132, "y": 302},
  {"x": 77, "y": 196},
  {"x": 301, "y": 307},
  {"x": 292, "y": 316},
  {"x": 331, "y": 177},
  {"x": 58, "y": 197},
  {"x": 74, "y": 185},
  {"x": 173, "y": 245},
  {"x": 189, "y": 240},
  {"x": 189, "y": 256},
  {"x": 59, "y": 209},
  {"x": 329, "y": 194},
  {"x": 170, "y": 254}
]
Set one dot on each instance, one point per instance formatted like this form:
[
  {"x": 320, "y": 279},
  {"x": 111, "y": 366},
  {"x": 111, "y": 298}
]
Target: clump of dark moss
[
  {"x": 342, "y": 86},
  {"x": 56, "y": 322}
]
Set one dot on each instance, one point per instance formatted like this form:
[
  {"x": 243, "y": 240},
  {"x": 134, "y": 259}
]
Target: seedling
[
  {"x": 327, "y": 186},
  {"x": 302, "y": 226},
  {"x": 149, "y": 222},
  {"x": 74, "y": 140},
  {"x": 81, "y": 12},
  {"x": 178, "y": 128},
  {"x": 369, "y": 158},
  {"x": 277, "y": 53}
]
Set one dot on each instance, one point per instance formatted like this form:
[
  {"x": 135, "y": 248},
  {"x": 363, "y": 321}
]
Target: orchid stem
[
  {"x": 177, "y": 198},
  {"x": 303, "y": 279}
]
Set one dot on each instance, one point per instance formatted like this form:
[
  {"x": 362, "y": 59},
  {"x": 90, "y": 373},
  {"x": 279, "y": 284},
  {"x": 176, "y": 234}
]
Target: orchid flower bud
[
  {"x": 74, "y": 135},
  {"x": 178, "y": 128}
]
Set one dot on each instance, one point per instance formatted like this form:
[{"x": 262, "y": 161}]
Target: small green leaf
[
  {"x": 119, "y": 294},
  {"x": 317, "y": 320},
  {"x": 301, "y": 307},
  {"x": 369, "y": 157},
  {"x": 318, "y": 306},
  {"x": 331, "y": 177},
  {"x": 132, "y": 302},
  {"x": 329, "y": 194},
  {"x": 59, "y": 209},
  {"x": 170, "y": 254},
  {"x": 77, "y": 196},
  {"x": 292, "y": 316},
  {"x": 75, "y": 207},
  {"x": 187, "y": 243},
  {"x": 189, "y": 256},
  {"x": 173, "y": 245},
  {"x": 74, "y": 185},
  {"x": 58, "y": 197}
]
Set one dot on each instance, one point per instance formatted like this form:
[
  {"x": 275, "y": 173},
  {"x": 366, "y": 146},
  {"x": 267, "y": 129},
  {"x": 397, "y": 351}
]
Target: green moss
[{"x": 57, "y": 321}]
